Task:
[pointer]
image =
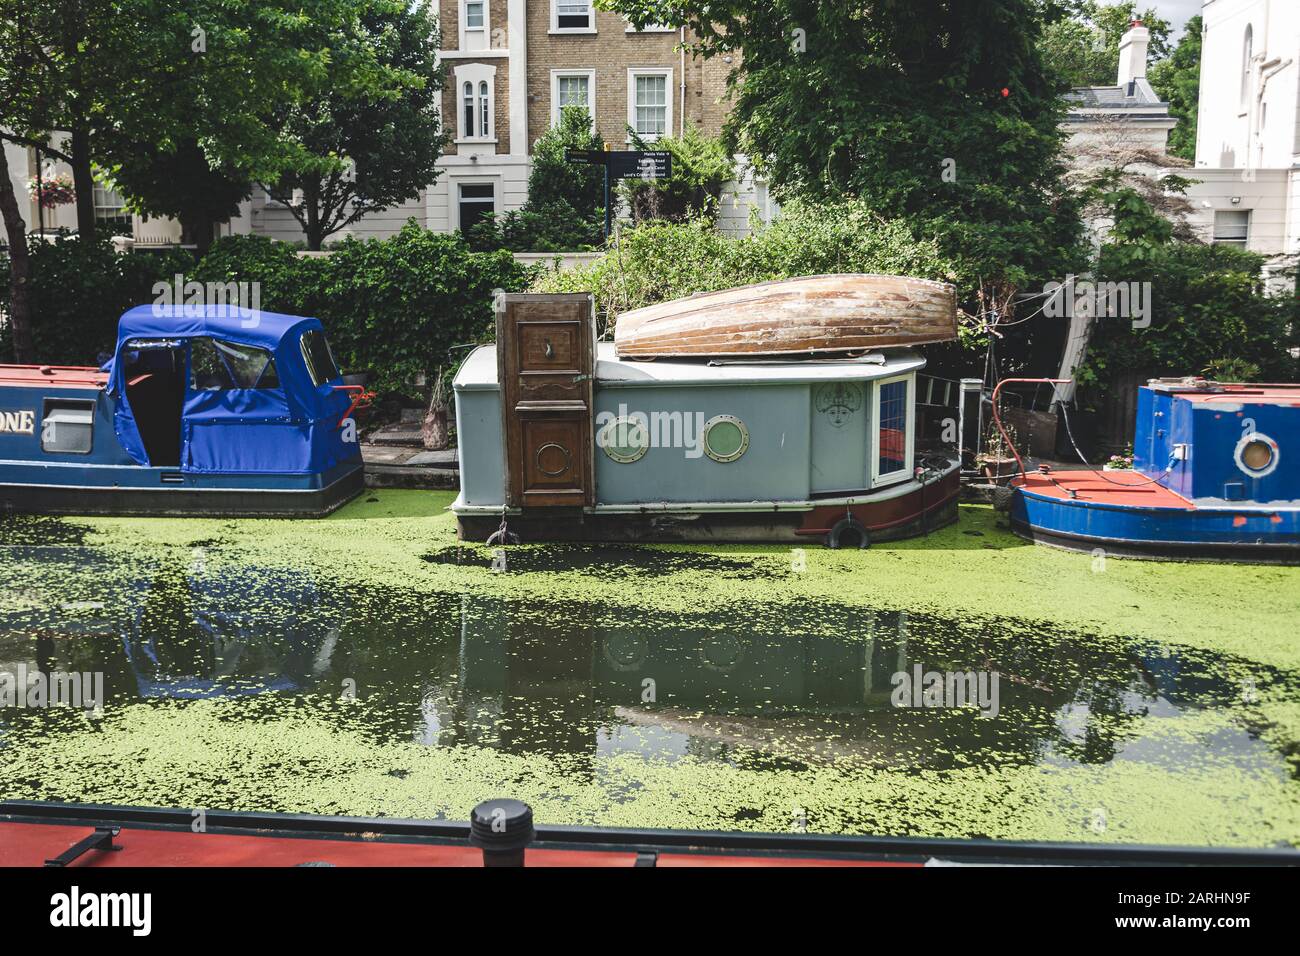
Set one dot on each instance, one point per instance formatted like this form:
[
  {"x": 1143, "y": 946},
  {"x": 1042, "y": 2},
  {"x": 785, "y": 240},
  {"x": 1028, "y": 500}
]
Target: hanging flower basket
[{"x": 52, "y": 191}]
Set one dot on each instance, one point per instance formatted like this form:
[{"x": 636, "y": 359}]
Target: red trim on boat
[
  {"x": 64, "y": 376},
  {"x": 31, "y": 844}
]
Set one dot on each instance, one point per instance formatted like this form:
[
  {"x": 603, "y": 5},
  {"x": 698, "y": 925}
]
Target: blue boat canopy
[{"x": 257, "y": 392}]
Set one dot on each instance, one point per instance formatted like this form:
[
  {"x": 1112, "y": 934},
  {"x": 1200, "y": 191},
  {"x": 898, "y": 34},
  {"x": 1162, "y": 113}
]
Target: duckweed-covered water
[{"x": 417, "y": 682}]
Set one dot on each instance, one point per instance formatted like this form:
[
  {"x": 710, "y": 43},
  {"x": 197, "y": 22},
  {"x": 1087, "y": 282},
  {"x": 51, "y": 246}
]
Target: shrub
[
  {"x": 565, "y": 209},
  {"x": 1209, "y": 312},
  {"x": 700, "y": 167},
  {"x": 79, "y": 289},
  {"x": 658, "y": 261},
  {"x": 392, "y": 307}
]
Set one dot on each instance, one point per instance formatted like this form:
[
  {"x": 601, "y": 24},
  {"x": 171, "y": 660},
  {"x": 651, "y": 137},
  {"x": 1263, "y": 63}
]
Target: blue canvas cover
[{"x": 290, "y": 427}]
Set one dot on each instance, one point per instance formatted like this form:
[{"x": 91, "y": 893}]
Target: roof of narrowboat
[
  {"x": 1231, "y": 393},
  {"x": 61, "y": 376},
  {"x": 252, "y": 326},
  {"x": 480, "y": 370}
]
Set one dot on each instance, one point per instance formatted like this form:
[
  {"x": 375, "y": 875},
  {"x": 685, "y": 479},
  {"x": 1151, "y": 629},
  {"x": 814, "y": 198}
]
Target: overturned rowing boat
[{"x": 811, "y": 315}]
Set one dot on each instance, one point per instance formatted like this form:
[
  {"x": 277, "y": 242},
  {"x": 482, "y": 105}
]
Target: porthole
[
  {"x": 624, "y": 440},
  {"x": 1256, "y": 455},
  {"x": 725, "y": 438}
]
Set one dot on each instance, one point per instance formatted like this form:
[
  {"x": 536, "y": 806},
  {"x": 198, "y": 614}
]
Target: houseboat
[
  {"x": 1216, "y": 474},
  {"x": 207, "y": 410},
  {"x": 564, "y": 438}
]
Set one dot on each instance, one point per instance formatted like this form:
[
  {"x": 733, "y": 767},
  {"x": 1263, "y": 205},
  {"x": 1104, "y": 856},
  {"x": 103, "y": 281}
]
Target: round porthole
[
  {"x": 623, "y": 440},
  {"x": 1256, "y": 455},
  {"x": 725, "y": 438}
]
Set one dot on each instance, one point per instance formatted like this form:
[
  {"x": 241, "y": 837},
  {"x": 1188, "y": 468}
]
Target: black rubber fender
[
  {"x": 847, "y": 524},
  {"x": 1002, "y": 496}
]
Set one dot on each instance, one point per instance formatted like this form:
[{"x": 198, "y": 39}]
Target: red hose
[{"x": 997, "y": 419}]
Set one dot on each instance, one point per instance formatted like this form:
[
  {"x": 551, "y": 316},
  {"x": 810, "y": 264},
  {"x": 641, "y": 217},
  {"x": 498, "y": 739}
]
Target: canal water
[{"x": 571, "y": 703}]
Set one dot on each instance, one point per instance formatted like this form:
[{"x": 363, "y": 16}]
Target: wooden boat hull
[{"x": 812, "y": 315}]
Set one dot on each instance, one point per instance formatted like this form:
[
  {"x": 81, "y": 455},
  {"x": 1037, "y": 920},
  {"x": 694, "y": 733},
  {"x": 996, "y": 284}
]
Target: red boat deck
[
  {"x": 63, "y": 376},
  {"x": 31, "y": 844},
  {"x": 1128, "y": 488}
]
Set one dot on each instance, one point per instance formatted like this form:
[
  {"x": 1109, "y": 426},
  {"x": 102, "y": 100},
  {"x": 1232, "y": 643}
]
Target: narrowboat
[
  {"x": 207, "y": 410},
  {"x": 1216, "y": 474},
  {"x": 563, "y": 438}
]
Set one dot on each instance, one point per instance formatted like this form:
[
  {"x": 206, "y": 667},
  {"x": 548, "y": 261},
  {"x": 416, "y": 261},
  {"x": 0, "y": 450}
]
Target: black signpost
[{"x": 624, "y": 164}]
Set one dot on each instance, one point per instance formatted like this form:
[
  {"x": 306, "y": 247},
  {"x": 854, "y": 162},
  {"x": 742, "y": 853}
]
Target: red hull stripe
[{"x": 31, "y": 844}]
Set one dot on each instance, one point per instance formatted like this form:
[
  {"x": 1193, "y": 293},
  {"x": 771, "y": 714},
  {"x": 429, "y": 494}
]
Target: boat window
[
  {"x": 893, "y": 427},
  {"x": 725, "y": 438},
  {"x": 625, "y": 440},
  {"x": 217, "y": 365},
  {"x": 68, "y": 427},
  {"x": 320, "y": 360}
]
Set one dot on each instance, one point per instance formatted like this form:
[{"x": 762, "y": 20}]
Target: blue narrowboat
[
  {"x": 1216, "y": 474},
  {"x": 208, "y": 410}
]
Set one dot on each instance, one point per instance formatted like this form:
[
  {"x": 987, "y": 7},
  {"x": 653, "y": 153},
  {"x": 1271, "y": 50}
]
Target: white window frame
[
  {"x": 474, "y": 74},
  {"x": 556, "y": 75},
  {"x": 454, "y": 190},
  {"x": 632, "y": 74},
  {"x": 909, "y": 451},
  {"x": 555, "y": 19},
  {"x": 466, "y": 29}
]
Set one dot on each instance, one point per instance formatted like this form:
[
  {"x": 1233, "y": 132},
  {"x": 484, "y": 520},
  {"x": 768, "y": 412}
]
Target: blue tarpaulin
[{"x": 240, "y": 414}]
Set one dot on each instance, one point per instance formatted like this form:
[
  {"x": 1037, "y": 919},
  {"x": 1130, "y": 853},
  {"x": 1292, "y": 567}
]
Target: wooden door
[{"x": 546, "y": 365}]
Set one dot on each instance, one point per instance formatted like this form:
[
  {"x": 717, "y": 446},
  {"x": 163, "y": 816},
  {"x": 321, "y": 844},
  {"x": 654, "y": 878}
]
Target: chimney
[{"x": 1133, "y": 53}]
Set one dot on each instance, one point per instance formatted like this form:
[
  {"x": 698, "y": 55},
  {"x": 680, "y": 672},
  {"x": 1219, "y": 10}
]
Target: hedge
[{"x": 392, "y": 307}]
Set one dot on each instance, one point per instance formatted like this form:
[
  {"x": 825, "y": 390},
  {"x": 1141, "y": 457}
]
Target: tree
[
  {"x": 1083, "y": 46},
  {"x": 701, "y": 166},
  {"x": 1178, "y": 81},
  {"x": 943, "y": 114},
  {"x": 363, "y": 151}
]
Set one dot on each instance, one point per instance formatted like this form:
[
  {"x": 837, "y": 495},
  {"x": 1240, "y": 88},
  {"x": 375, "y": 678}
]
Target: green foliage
[
  {"x": 392, "y": 307},
  {"x": 1178, "y": 81},
  {"x": 1083, "y": 46},
  {"x": 659, "y": 261},
  {"x": 1209, "y": 313},
  {"x": 565, "y": 209},
  {"x": 878, "y": 100},
  {"x": 79, "y": 289},
  {"x": 701, "y": 165}
]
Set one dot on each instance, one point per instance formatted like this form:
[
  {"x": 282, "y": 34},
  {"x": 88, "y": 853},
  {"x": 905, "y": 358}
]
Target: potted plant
[
  {"x": 51, "y": 191},
  {"x": 1120, "y": 462},
  {"x": 997, "y": 461}
]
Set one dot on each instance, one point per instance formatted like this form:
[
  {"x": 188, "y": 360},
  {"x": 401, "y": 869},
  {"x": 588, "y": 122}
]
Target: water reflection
[{"x": 584, "y": 681}]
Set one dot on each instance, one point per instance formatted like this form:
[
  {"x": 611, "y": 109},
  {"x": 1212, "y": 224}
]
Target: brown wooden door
[{"x": 546, "y": 364}]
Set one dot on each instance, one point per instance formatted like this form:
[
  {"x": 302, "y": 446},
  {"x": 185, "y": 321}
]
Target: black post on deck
[{"x": 502, "y": 829}]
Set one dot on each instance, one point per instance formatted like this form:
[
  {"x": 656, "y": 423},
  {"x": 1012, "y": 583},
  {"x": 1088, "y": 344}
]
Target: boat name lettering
[{"x": 21, "y": 422}]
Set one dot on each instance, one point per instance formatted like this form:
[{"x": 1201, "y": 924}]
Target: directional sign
[
  {"x": 640, "y": 164},
  {"x": 626, "y": 164}
]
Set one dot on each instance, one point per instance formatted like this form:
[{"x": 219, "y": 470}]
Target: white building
[{"x": 1248, "y": 128}]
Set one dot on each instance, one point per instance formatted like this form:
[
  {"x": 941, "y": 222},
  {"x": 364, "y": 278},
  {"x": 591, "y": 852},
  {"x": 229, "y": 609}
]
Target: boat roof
[
  {"x": 248, "y": 326},
  {"x": 480, "y": 369},
  {"x": 61, "y": 376},
  {"x": 1232, "y": 393}
]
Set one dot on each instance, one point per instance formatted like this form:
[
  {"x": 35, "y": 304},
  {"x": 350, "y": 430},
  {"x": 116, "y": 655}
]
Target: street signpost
[{"x": 624, "y": 164}]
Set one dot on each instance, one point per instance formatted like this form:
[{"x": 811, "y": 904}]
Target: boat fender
[
  {"x": 854, "y": 529},
  {"x": 1002, "y": 496}
]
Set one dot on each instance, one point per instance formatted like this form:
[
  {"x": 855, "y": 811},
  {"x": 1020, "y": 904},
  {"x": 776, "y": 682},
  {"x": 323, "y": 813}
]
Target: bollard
[{"x": 502, "y": 828}]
